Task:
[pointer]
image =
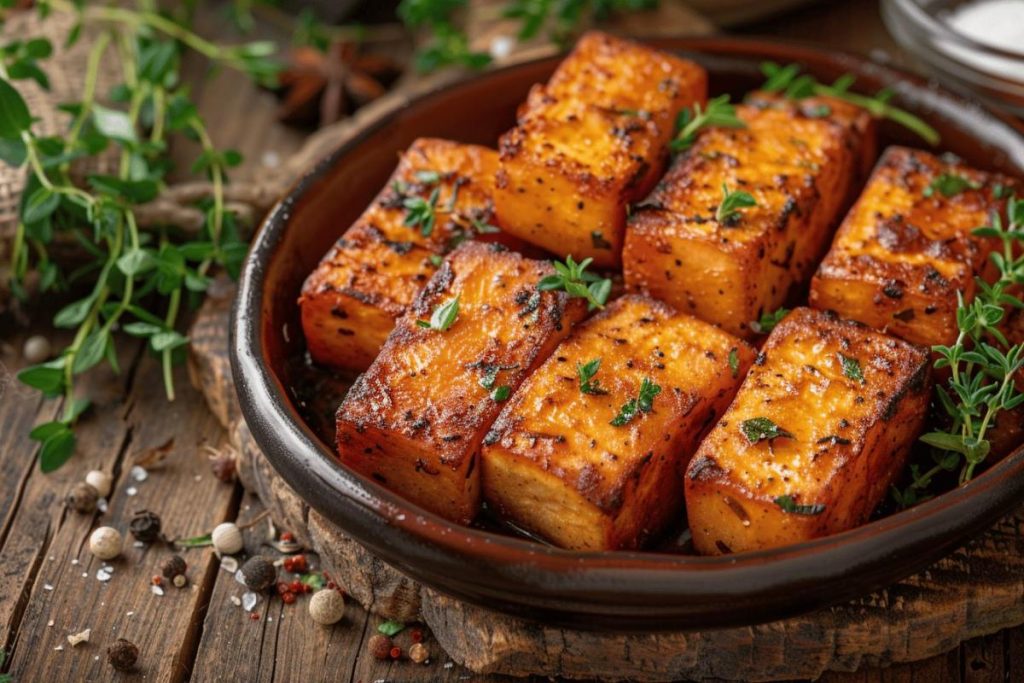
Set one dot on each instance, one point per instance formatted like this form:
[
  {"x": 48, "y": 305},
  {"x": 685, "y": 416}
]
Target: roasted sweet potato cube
[
  {"x": 816, "y": 434},
  {"x": 906, "y": 248},
  {"x": 415, "y": 419},
  {"x": 590, "y": 142},
  {"x": 369, "y": 278},
  {"x": 559, "y": 464},
  {"x": 797, "y": 167}
]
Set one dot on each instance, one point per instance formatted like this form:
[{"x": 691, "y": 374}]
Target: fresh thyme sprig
[
  {"x": 982, "y": 364},
  {"x": 728, "y": 211},
  {"x": 719, "y": 112},
  {"x": 443, "y": 317},
  {"x": 573, "y": 278},
  {"x": 795, "y": 85},
  {"x": 137, "y": 281},
  {"x": 421, "y": 213}
]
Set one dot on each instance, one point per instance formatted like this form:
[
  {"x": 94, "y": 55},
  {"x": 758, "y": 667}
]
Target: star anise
[{"x": 326, "y": 86}]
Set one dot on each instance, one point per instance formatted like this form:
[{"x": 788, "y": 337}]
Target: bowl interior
[{"x": 520, "y": 576}]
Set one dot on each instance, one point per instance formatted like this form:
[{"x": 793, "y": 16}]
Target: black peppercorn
[
  {"x": 380, "y": 646},
  {"x": 145, "y": 526},
  {"x": 259, "y": 573},
  {"x": 122, "y": 655},
  {"x": 82, "y": 497},
  {"x": 223, "y": 467},
  {"x": 173, "y": 566}
]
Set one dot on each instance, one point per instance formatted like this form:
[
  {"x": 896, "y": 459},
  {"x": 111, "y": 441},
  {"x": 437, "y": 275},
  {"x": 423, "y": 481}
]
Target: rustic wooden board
[{"x": 975, "y": 591}]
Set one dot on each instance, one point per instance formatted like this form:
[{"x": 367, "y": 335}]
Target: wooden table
[{"x": 48, "y": 584}]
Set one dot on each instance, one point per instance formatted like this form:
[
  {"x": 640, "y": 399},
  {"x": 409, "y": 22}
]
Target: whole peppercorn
[
  {"x": 327, "y": 607},
  {"x": 105, "y": 543},
  {"x": 82, "y": 497},
  {"x": 396, "y": 652},
  {"x": 101, "y": 481},
  {"x": 259, "y": 573},
  {"x": 288, "y": 598},
  {"x": 419, "y": 653},
  {"x": 380, "y": 646},
  {"x": 227, "y": 538},
  {"x": 122, "y": 655},
  {"x": 173, "y": 566},
  {"x": 37, "y": 349},
  {"x": 145, "y": 526},
  {"x": 223, "y": 467},
  {"x": 180, "y": 581},
  {"x": 157, "y": 580}
]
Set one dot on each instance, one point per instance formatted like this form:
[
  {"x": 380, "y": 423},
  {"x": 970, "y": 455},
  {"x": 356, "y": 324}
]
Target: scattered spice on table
[{"x": 123, "y": 655}]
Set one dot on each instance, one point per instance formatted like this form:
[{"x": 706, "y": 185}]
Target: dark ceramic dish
[{"x": 610, "y": 590}]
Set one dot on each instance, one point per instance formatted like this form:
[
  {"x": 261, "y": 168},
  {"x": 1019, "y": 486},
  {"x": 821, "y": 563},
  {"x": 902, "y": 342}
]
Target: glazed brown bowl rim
[{"x": 604, "y": 590}]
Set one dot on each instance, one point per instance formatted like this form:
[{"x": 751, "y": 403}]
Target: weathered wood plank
[
  {"x": 37, "y": 513},
  {"x": 983, "y": 660},
  {"x": 66, "y": 591}
]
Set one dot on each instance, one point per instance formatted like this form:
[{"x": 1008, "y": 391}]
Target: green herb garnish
[
  {"x": 443, "y": 317},
  {"x": 391, "y": 628},
  {"x": 422, "y": 213},
  {"x": 501, "y": 393},
  {"x": 789, "y": 81},
  {"x": 767, "y": 322},
  {"x": 761, "y": 428},
  {"x": 719, "y": 112},
  {"x": 981, "y": 365},
  {"x": 851, "y": 368},
  {"x": 643, "y": 403},
  {"x": 789, "y": 505},
  {"x": 950, "y": 185},
  {"x": 572, "y": 278},
  {"x": 728, "y": 211},
  {"x": 734, "y": 361},
  {"x": 586, "y": 372}
]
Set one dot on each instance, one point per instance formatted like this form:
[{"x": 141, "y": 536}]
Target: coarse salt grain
[
  {"x": 249, "y": 601},
  {"x": 139, "y": 473},
  {"x": 131, "y": 491},
  {"x": 156, "y": 590},
  {"x": 103, "y": 575},
  {"x": 47, "y": 587}
]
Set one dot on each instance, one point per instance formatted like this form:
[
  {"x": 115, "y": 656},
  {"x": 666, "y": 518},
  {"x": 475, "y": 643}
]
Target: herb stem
[
  {"x": 882, "y": 110},
  {"x": 92, "y": 70}
]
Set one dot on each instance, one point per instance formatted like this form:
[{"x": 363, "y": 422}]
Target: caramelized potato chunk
[
  {"x": 591, "y": 141},
  {"x": 557, "y": 461},
  {"x": 798, "y": 167},
  {"x": 906, "y": 247},
  {"x": 415, "y": 419},
  {"x": 350, "y": 302},
  {"x": 820, "y": 428}
]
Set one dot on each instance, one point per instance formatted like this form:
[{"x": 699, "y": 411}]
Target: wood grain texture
[{"x": 975, "y": 591}]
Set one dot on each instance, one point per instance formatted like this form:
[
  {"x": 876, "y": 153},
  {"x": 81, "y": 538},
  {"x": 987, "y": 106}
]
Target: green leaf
[
  {"x": 38, "y": 48},
  {"x": 163, "y": 341},
  {"x": 734, "y": 361},
  {"x": 789, "y": 505},
  {"x": 44, "y": 431},
  {"x": 586, "y": 372},
  {"x": 57, "y": 450},
  {"x": 13, "y": 152},
  {"x": 135, "y": 262},
  {"x": 643, "y": 403},
  {"x": 950, "y": 185},
  {"x": 40, "y": 205},
  {"x": 719, "y": 113},
  {"x": 133, "y": 191},
  {"x": 768, "y": 321},
  {"x": 761, "y": 428},
  {"x": 90, "y": 352},
  {"x": 14, "y": 115},
  {"x": 113, "y": 124},
  {"x": 391, "y": 628},
  {"x": 47, "y": 377},
  {"x": 851, "y": 368},
  {"x": 142, "y": 329},
  {"x": 733, "y": 201},
  {"x": 73, "y": 314},
  {"x": 501, "y": 393},
  {"x": 444, "y": 316}
]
